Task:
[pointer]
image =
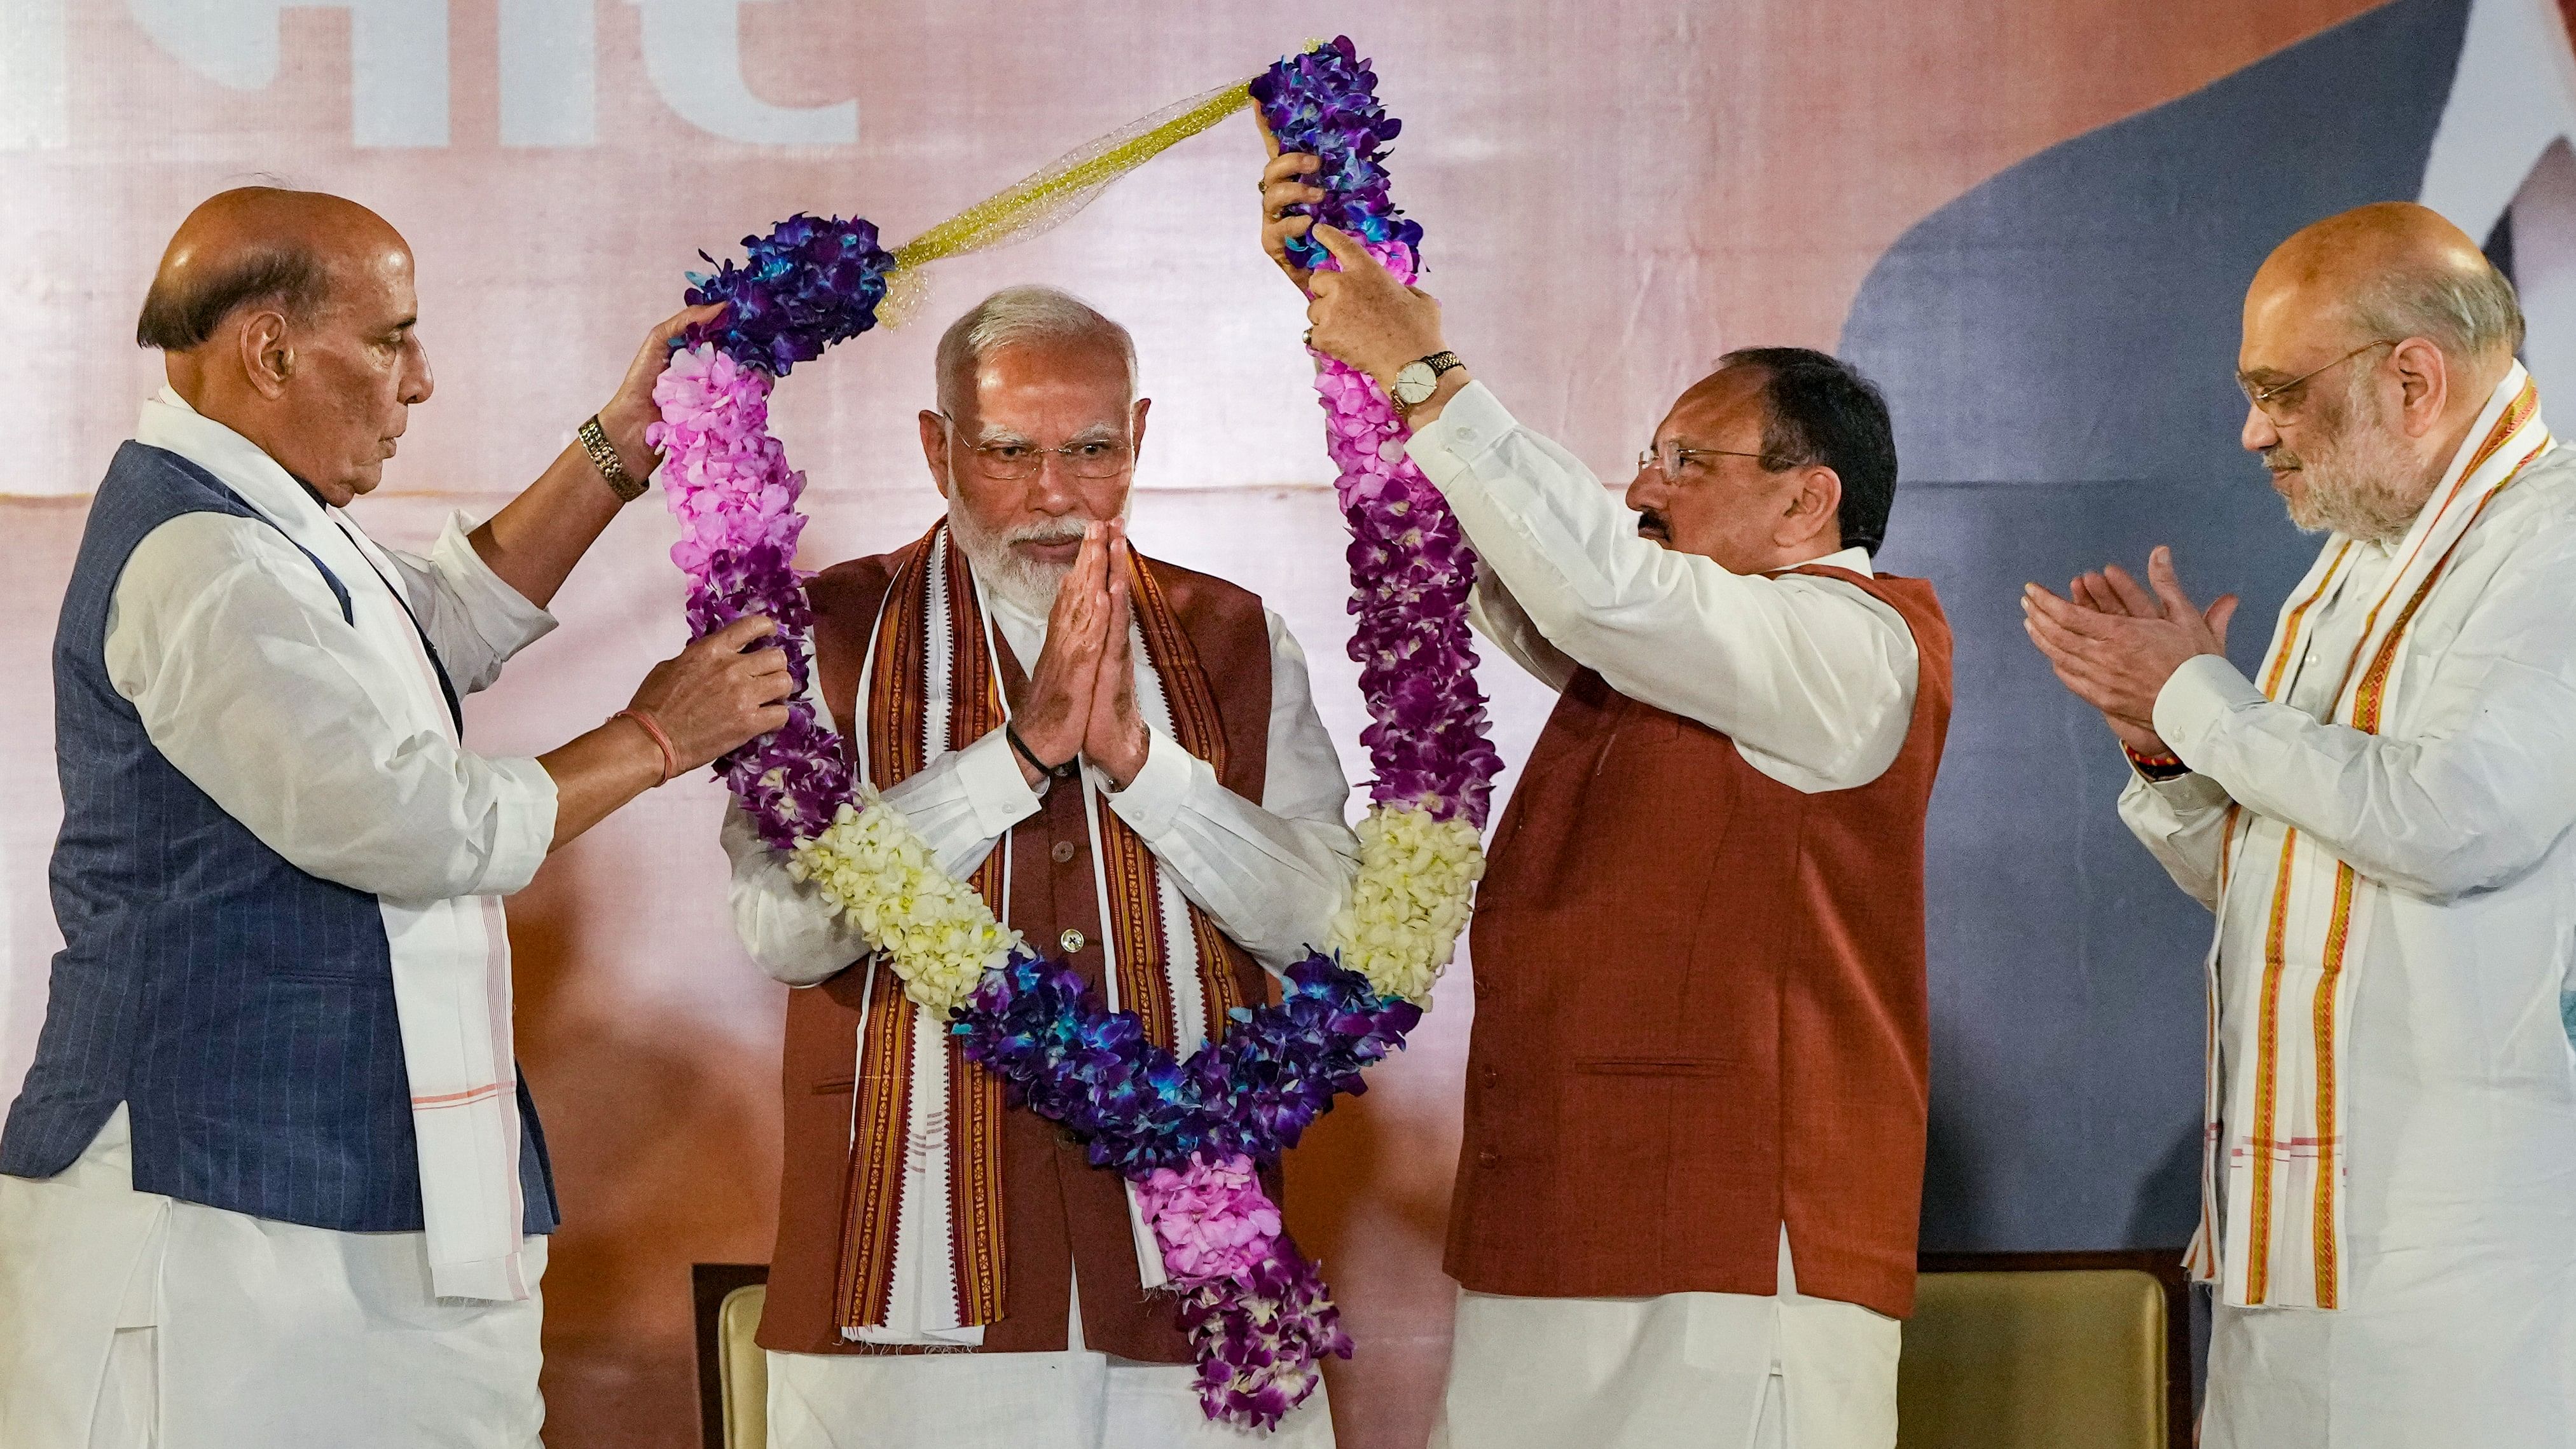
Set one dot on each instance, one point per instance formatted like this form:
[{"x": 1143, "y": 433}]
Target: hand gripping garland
[{"x": 1190, "y": 1135}]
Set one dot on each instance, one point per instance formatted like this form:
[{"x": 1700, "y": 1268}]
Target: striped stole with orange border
[
  {"x": 932, "y": 684},
  {"x": 2283, "y": 1110}
]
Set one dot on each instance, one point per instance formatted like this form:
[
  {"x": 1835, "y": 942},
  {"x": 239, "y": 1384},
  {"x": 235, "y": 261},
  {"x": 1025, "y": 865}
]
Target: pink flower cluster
[
  {"x": 727, "y": 481},
  {"x": 1411, "y": 570},
  {"x": 1255, "y": 1310},
  {"x": 1212, "y": 1219}
]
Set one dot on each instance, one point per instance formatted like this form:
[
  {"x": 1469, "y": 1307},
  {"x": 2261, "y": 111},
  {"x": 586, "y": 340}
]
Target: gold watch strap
[{"x": 603, "y": 456}]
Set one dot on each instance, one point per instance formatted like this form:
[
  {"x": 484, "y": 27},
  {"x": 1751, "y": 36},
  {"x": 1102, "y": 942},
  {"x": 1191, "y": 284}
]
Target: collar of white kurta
[
  {"x": 923, "y": 1255},
  {"x": 451, "y": 959},
  {"x": 2286, "y": 1116}
]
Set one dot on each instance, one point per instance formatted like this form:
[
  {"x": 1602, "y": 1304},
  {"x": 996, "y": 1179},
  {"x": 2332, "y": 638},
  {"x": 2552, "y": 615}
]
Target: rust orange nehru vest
[
  {"x": 1058, "y": 1211},
  {"x": 1700, "y": 1011}
]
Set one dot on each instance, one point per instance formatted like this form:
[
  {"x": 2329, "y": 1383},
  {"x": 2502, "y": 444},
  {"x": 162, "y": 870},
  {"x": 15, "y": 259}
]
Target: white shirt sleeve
[
  {"x": 790, "y": 931},
  {"x": 1271, "y": 875},
  {"x": 960, "y": 804},
  {"x": 1813, "y": 678},
  {"x": 2180, "y": 822},
  {"x": 476, "y": 621},
  {"x": 2476, "y": 791},
  {"x": 1494, "y": 613},
  {"x": 233, "y": 650}
]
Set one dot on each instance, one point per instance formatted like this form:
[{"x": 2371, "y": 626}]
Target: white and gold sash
[{"x": 2286, "y": 1121}]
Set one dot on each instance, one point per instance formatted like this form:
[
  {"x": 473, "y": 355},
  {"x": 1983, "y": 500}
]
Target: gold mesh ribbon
[{"x": 1041, "y": 202}]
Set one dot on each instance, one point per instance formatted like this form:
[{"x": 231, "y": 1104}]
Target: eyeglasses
[
  {"x": 2262, "y": 397},
  {"x": 1671, "y": 458},
  {"x": 1013, "y": 459}
]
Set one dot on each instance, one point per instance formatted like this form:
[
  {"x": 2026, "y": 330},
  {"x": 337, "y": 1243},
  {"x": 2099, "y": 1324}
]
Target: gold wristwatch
[
  {"x": 603, "y": 456},
  {"x": 1421, "y": 378}
]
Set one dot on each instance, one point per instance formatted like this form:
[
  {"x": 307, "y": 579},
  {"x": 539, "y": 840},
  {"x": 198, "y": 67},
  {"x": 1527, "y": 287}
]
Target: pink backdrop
[{"x": 1614, "y": 194}]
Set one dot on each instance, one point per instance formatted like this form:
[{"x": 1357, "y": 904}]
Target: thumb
[
  {"x": 1345, "y": 248},
  {"x": 2167, "y": 584},
  {"x": 2221, "y": 610}
]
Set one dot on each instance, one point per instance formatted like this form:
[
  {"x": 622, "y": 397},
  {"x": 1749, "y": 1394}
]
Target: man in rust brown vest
[
  {"x": 1124, "y": 758},
  {"x": 1689, "y": 1186}
]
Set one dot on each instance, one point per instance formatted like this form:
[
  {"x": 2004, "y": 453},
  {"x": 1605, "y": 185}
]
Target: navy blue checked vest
[{"x": 242, "y": 1009}]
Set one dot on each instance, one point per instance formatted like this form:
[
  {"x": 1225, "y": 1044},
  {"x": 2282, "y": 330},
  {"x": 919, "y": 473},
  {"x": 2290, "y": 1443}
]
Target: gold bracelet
[{"x": 603, "y": 456}]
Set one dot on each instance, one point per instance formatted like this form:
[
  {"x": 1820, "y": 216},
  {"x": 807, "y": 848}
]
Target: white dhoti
[
  {"x": 1683, "y": 1371},
  {"x": 1076, "y": 1399},
  {"x": 129, "y": 1320}
]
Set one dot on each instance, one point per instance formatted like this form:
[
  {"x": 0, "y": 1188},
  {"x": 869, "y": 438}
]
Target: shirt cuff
[
  {"x": 501, "y": 614},
  {"x": 996, "y": 791},
  {"x": 524, "y": 794},
  {"x": 2204, "y": 691},
  {"x": 2189, "y": 792},
  {"x": 1154, "y": 797},
  {"x": 1468, "y": 427}
]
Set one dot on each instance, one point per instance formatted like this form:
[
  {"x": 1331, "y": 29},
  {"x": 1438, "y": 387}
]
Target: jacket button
[
  {"x": 1487, "y": 1158},
  {"x": 1071, "y": 940},
  {"x": 1491, "y": 1076},
  {"x": 1063, "y": 851}
]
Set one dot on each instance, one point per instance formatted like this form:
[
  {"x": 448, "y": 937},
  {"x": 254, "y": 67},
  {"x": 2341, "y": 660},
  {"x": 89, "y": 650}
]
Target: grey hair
[
  {"x": 2467, "y": 312},
  {"x": 1017, "y": 315}
]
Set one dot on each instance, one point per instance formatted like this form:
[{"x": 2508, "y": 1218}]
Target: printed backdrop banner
[{"x": 2031, "y": 220}]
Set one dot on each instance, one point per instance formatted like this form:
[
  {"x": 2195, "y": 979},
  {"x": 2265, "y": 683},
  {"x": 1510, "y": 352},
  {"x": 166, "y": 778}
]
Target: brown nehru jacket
[
  {"x": 1058, "y": 1210},
  {"x": 1700, "y": 1011}
]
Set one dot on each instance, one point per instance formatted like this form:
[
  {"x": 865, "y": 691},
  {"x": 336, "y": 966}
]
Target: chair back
[
  {"x": 733, "y": 1373},
  {"x": 2038, "y": 1350}
]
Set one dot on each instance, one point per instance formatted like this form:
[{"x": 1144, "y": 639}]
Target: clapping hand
[{"x": 2115, "y": 643}]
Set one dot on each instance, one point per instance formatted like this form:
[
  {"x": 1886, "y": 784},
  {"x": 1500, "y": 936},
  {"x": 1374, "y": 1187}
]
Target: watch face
[{"x": 1416, "y": 382}]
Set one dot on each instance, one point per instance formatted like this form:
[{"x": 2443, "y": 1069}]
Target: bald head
[
  {"x": 2373, "y": 341},
  {"x": 290, "y": 318},
  {"x": 258, "y": 246},
  {"x": 2393, "y": 270}
]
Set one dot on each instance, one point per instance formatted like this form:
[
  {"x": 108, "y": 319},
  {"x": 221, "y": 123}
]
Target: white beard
[{"x": 2358, "y": 485}]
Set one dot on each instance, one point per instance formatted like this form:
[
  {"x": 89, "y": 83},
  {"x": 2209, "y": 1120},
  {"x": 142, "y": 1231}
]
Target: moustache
[
  {"x": 1067, "y": 530},
  {"x": 1651, "y": 524},
  {"x": 2281, "y": 460}
]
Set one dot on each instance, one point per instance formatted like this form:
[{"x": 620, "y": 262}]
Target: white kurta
[
  {"x": 129, "y": 1319},
  {"x": 1270, "y": 875},
  {"x": 1814, "y": 680},
  {"x": 2459, "y": 1316}
]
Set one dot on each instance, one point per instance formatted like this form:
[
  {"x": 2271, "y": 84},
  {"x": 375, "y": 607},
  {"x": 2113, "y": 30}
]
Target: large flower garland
[{"x": 1191, "y": 1136}]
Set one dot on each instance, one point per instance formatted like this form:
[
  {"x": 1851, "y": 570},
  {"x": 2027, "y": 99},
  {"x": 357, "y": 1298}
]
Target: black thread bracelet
[{"x": 1021, "y": 748}]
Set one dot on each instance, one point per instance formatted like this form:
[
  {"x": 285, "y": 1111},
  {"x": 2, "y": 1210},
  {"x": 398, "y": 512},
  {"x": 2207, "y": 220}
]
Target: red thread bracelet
[
  {"x": 2156, "y": 767},
  {"x": 670, "y": 757}
]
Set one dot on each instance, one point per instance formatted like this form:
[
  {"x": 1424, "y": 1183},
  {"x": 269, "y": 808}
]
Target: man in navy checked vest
[{"x": 273, "y": 1179}]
